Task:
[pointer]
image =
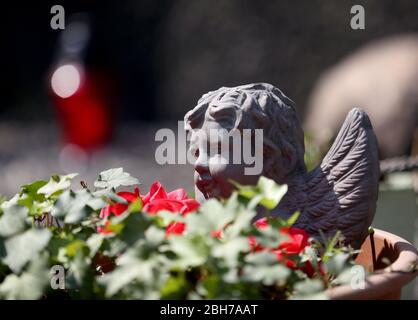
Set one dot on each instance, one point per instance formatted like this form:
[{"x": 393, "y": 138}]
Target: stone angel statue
[{"x": 340, "y": 194}]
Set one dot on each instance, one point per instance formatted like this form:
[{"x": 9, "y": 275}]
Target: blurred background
[{"x": 91, "y": 96}]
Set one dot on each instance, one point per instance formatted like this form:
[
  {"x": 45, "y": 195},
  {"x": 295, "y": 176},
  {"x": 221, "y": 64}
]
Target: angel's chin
[
  {"x": 211, "y": 193},
  {"x": 219, "y": 194}
]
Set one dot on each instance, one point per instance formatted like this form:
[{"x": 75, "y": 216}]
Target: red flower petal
[
  {"x": 217, "y": 234},
  {"x": 163, "y": 204},
  {"x": 261, "y": 223},
  {"x": 156, "y": 192},
  {"x": 179, "y": 194},
  {"x": 189, "y": 205},
  {"x": 105, "y": 212},
  {"x": 129, "y": 196},
  {"x": 175, "y": 228},
  {"x": 118, "y": 208},
  {"x": 297, "y": 242}
]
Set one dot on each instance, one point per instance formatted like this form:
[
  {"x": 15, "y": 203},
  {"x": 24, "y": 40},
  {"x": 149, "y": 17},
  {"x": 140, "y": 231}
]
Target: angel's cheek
[{"x": 223, "y": 173}]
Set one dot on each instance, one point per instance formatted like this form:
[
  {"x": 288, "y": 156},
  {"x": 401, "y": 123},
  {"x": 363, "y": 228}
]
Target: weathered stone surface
[{"x": 340, "y": 194}]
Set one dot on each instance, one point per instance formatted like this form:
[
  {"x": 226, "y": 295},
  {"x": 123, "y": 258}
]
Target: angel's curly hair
[{"x": 254, "y": 106}]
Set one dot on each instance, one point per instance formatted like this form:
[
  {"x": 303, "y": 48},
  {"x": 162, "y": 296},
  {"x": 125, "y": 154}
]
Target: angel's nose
[{"x": 201, "y": 166}]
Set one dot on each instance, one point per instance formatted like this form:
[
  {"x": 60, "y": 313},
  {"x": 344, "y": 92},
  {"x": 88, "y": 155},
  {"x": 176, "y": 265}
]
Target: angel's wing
[{"x": 341, "y": 193}]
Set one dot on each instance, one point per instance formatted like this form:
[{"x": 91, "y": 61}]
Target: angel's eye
[
  {"x": 194, "y": 150},
  {"x": 195, "y": 153}
]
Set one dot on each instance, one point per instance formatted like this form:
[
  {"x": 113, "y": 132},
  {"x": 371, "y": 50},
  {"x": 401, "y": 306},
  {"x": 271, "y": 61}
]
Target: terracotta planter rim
[{"x": 388, "y": 281}]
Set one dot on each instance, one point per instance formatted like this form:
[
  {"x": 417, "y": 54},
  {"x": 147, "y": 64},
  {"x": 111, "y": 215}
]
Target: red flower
[
  {"x": 175, "y": 201},
  {"x": 297, "y": 243},
  {"x": 155, "y": 200},
  {"x": 293, "y": 247},
  {"x": 158, "y": 199},
  {"x": 287, "y": 250},
  {"x": 118, "y": 208}
]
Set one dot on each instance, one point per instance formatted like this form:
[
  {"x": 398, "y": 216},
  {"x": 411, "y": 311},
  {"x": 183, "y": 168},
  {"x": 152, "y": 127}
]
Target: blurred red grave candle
[{"x": 82, "y": 102}]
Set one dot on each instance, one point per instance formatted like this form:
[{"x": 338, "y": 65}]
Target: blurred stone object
[{"x": 382, "y": 79}]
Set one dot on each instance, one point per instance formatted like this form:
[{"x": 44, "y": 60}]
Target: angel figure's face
[{"x": 216, "y": 160}]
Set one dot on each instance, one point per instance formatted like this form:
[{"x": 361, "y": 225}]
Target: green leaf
[
  {"x": 34, "y": 201},
  {"x": 94, "y": 242},
  {"x": 13, "y": 221},
  {"x": 310, "y": 254},
  {"x": 109, "y": 194},
  {"x": 122, "y": 276},
  {"x": 116, "y": 247},
  {"x": 75, "y": 247},
  {"x": 80, "y": 276},
  {"x": 212, "y": 286},
  {"x": 267, "y": 192},
  {"x": 267, "y": 275},
  {"x": 75, "y": 206},
  {"x": 242, "y": 223},
  {"x": 336, "y": 263},
  {"x": 292, "y": 219},
  {"x": 271, "y": 191},
  {"x": 32, "y": 190},
  {"x": 63, "y": 204},
  {"x": 216, "y": 215},
  {"x": 261, "y": 258},
  {"x": 154, "y": 236},
  {"x": 190, "y": 250},
  {"x": 130, "y": 226},
  {"x": 57, "y": 243},
  {"x": 57, "y": 183},
  {"x": 29, "y": 285},
  {"x": 36, "y": 208},
  {"x": 114, "y": 178},
  {"x": 308, "y": 287},
  {"x": 176, "y": 287},
  {"x": 263, "y": 267},
  {"x": 2, "y": 200},
  {"x": 230, "y": 250},
  {"x": 22, "y": 248},
  {"x": 10, "y": 203},
  {"x": 130, "y": 269},
  {"x": 135, "y": 206}
]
